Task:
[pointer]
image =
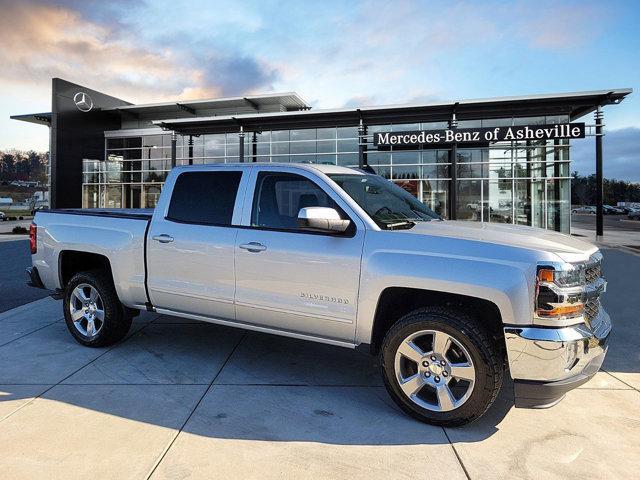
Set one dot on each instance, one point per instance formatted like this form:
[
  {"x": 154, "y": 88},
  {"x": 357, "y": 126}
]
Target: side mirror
[{"x": 321, "y": 218}]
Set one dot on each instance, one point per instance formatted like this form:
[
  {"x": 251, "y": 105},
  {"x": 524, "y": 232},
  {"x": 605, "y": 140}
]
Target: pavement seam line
[
  {"x": 29, "y": 402},
  {"x": 464, "y": 469},
  {"x": 620, "y": 380},
  {"x": 164, "y": 452},
  {"x": 30, "y": 333}
]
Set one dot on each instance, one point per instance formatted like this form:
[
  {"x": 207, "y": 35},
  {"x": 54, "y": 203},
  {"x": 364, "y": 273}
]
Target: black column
[
  {"x": 362, "y": 147},
  {"x": 453, "y": 160},
  {"x": 190, "y": 149},
  {"x": 254, "y": 147},
  {"x": 241, "y": 146},
  {"x": 453, "y": 189},
  {"x": 174, "y": 145},
  {"x": 599, "y": 176}
]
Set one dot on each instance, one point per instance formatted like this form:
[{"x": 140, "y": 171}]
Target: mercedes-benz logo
[{"x": 83, "y": 101}]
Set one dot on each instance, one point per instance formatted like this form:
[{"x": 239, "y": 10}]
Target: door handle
[
  {"x": 164, "y": 238},
  {"x": 253, "y": 247}
]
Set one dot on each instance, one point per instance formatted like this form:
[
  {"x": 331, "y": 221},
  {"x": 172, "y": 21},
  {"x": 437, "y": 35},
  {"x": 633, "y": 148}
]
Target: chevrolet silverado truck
[{"x": 343, "y": 257}]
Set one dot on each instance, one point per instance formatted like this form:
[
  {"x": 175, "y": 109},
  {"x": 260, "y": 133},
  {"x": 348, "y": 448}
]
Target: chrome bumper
[{"x": 547, "y": 362}]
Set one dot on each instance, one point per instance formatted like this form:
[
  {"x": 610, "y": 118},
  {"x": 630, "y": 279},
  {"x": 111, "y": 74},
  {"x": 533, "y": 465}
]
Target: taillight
[{"x": 33, "y": 238}]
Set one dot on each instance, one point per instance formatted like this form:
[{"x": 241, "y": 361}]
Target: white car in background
[
  {"x": 3, "y": 217},
  {"x": 585, "y": 209},
  {"x": 634, "y": 214}
]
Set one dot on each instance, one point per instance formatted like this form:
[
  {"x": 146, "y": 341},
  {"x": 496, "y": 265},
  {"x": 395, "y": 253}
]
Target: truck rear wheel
[
  {"x": 440, "y": 366},
  {"x": 93, "y": 313}
]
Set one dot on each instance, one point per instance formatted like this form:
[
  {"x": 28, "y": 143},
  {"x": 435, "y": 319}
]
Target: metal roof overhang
[
  {"x": 575, "y": 105},
  {"x": 288, "y": 101},
  {"x": 38, "y": 118}
]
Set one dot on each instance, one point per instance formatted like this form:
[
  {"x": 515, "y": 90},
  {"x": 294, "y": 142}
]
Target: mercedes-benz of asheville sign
[{"x": 480, "y": 135}]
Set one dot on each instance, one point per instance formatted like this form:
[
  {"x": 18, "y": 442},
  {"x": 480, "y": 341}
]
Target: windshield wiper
[{"x": 398, "y": 225}]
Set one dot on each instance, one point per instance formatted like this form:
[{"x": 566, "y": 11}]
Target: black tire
[
  {"x": 476, "y": 340},
  {"x": 116, "y": 322}
]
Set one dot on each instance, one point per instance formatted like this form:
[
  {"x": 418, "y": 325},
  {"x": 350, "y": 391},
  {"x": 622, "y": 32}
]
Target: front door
[
  {"x": 190, "y": 248},
  {"x": 291, "y": 279}
]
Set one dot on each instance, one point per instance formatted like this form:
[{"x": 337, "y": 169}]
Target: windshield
[{"x": 389, "y": 205}]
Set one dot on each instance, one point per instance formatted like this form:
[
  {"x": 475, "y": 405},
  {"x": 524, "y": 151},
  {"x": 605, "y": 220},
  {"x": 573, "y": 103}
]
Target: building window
[{"x": 526, "y": 183}]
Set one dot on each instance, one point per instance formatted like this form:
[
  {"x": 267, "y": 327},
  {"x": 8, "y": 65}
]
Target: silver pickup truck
[{"x": 343, "y": 257}]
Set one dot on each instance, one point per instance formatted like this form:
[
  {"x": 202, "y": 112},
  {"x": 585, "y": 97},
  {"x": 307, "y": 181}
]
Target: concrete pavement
[{"x": 183, "y": 399}]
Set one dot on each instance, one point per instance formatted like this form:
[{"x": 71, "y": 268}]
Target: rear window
[{"x": 204, "y": 197}]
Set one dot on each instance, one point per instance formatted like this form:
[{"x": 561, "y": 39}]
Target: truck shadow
[{"x": 266, "y": 388}]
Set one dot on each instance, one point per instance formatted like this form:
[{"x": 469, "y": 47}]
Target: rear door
[
  {"x": 288, "y": 278},
  {"x": 191, "y": 241}
]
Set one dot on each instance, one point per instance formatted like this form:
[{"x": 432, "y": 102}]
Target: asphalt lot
[
  {"x": 611, "y": 222},
  {"x": 183, "y": 399},
  {"x": 14, "y": 259}
]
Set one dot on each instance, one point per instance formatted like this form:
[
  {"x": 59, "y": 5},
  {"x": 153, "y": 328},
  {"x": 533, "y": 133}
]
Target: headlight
[
  {"x": 559, "y": 292},
  {"x": 569, "y": 276}
]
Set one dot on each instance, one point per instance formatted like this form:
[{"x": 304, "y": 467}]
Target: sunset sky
[{"x": 332, "y": 53}]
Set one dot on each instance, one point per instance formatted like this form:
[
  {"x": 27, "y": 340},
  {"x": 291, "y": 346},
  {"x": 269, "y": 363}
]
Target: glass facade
[{"x": 525, "y": 182}]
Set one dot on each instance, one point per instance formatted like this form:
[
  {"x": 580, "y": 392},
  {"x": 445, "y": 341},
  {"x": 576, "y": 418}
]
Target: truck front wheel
[
  {"x": 440, "y": 366},
  {"x": 93, "y": 313}
]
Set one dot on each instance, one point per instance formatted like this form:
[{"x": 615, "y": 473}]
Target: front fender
[{"x": 505, "y": 284}]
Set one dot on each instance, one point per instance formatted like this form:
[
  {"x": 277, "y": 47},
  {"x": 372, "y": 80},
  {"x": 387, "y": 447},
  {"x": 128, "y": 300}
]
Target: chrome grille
[
  {"x": 593, "y": 272},
  {"x": 591, "y": 309}
]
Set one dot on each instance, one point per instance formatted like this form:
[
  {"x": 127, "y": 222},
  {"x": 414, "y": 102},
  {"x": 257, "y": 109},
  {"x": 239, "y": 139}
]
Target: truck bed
[{"x": 116, "y": 234}]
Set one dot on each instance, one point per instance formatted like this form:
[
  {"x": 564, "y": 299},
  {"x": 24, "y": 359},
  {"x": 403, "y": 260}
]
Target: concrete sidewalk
[
  {"x": 182, "y": 399},
  {"x": 611, "y": 238}
]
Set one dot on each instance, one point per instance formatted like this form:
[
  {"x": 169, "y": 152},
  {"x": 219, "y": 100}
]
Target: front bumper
[{"x": 545, "y": 362}]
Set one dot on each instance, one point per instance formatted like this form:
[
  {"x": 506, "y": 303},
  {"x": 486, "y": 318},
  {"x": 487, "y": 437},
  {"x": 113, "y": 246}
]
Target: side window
[
  {"x": 280, "y": 196},
  {"x": 204, "y": 197}
]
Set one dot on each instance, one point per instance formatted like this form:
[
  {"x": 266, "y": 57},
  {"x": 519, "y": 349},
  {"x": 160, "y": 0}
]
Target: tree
[
  {"x": 583, "y": 190},
  {"x": 7, "y": 165}
]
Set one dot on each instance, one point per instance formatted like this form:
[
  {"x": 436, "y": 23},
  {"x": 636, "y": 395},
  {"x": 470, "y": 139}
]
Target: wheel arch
[
  {"x": 71, "y": 262},
  {"x": 395, "y": 302}
]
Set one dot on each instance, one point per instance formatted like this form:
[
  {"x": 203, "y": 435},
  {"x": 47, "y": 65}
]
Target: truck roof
[{"x": 326, "y": 169}]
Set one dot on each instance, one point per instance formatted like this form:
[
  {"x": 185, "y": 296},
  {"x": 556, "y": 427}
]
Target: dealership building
[{"x": 502, "y": 160}]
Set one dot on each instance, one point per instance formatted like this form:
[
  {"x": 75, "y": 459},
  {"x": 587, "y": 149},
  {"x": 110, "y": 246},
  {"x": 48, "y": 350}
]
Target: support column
[
  {"x": 599, "y": 175},
  {"x": 241, "y": 146},
  {"x": 453, "y": 160},
  {"x": 174, "y": 147},
  {"x": 190, "y": 149},
  {"x": 362, "y": 147},
  {"x": 254, "y": 147}
]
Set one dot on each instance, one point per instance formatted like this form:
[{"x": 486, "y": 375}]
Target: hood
[{"x": 570, "y": 249}]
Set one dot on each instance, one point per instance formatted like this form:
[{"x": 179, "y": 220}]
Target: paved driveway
[
  {"x": 14, "y": 259},
  {"x": 181, "y": 399}
]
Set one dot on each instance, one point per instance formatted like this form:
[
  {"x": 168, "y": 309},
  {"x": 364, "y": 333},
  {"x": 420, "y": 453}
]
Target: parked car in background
[
  {"x": 3, "y": 217},
  {"x": 38, "y": 209},
  {"x": 585, "y": 209},
  {"x": 611, "y": 210},
  {"x": 343, "y": 257},
  {"x": 634, "y": 214}
]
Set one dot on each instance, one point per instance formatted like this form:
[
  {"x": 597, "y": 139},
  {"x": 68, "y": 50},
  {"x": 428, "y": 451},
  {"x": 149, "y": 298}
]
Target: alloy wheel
[
  {"x": 434, "y": 370},
  {"x": 87, "y": 310}
]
